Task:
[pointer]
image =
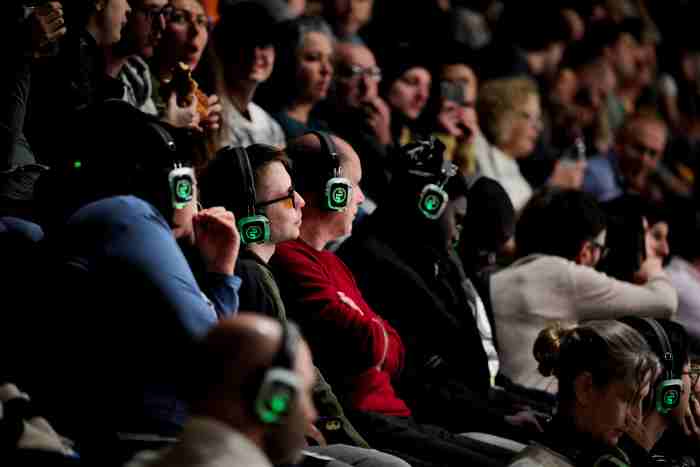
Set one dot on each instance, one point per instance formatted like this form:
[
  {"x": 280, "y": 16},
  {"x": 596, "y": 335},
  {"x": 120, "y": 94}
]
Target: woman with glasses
[
  {"x": 510, "y": 118},
  {"x": 605, "y": 370},
  {"x": 184, "y": 42}
]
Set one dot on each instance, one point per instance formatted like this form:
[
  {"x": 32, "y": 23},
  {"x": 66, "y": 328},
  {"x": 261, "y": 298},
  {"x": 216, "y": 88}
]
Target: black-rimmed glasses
[
  {"x": 154, "y": 14},
  {"x": 290, "y": 199}
]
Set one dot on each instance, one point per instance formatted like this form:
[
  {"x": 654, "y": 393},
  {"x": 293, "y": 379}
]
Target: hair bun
[{"x": 547, "y": 347}]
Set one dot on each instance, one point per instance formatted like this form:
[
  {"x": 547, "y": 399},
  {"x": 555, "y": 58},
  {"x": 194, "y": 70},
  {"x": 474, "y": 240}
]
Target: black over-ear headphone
[
  {"x": 254, "y": 227},
  {"x": 280, "y": 384},
  {"x": 668, "y": 391},
  {"x": 337, "y": 191}
]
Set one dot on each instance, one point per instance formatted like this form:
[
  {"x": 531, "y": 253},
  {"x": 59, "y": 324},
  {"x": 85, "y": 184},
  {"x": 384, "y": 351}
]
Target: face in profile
[
  {"x": 656, "y": 239},
  {"x": 452, "y": 220},
  {"x": 281, "y": 203},
  {"x": 186, "y": 34},
  {"x": 145, "y": 26},
  {"x": 409, "y": 94},
  {"x": 614, "y": 407},
  {"x": 314, "y": 67}
]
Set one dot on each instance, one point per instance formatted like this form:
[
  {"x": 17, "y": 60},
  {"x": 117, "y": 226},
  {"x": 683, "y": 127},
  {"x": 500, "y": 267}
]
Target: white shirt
[
  {"x": 496, "y": 164},
  {"x": 239, "y": 131}
]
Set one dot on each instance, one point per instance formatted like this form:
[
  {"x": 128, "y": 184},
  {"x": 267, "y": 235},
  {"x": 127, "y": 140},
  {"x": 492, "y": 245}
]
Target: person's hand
[
  {"x": 217, "y": 239},
  {"x": 315, "y": 434},
  {"x": 181, "y": 117},
  {"x": 525, "y": 419},
  {"x": 378, "y": 117},
  {"x": 691, "y": 419},
  {"x": 47, "y": 26},
  {"x": 651, "y": 266},
  {"x": 213, "y": 120},
  {"x": 568, "y": 175}
]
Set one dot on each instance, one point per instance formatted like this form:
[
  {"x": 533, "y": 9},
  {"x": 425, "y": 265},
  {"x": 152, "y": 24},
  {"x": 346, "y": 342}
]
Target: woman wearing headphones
[
  {"x": 667, "y": 406},
  {"x": 604, "y": 369}
]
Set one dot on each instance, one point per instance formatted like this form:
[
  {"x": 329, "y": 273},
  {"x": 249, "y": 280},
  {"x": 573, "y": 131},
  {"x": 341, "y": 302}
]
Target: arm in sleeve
[
  {"x": 222, "y": 290},
  {"x": 598, "y": 296},
  {"x": 312, "y": 298},
  {"x": 146, "y": 246}
]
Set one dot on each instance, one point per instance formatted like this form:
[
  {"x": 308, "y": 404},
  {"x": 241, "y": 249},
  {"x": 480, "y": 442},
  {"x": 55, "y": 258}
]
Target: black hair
[{"x": 577, "y": 215}]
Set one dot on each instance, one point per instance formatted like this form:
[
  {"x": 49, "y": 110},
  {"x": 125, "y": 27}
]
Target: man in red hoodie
[{"x": 358, "y": 351}]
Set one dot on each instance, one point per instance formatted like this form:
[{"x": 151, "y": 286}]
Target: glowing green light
[
  {"x": 431, "y": 203},
  {"x": 671, "y": 398},
  {"x": 339, "y": 195},
  {"x": 77, "y": 164},
  {"x": 279, "y": 404}
]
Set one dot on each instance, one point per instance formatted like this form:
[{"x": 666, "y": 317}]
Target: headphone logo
[
  {"x": 181, "y": 181},
  {"x": 280, "y": 384},
  {"x": 253, "y": 230}
]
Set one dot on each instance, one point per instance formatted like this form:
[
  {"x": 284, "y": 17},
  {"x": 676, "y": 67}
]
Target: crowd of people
[{"x": 374, "y": 233}]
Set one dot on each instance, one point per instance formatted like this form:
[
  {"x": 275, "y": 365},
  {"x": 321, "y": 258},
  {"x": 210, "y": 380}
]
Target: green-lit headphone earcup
[
  {"x": 254, "y": 229},
  {"x": 337, "y": 193},
  {"x": 432, "y": 201},
  {"x": 668, "y": 395}
]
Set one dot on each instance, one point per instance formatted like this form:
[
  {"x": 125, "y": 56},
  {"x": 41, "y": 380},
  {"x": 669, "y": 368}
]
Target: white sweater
[{"x": 538, "y": 290}]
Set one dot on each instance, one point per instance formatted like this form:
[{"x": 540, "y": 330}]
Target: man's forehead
[{"x": 357, "y": 55}]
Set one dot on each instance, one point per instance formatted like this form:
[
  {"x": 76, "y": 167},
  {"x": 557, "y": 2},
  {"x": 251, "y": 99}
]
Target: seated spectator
[
  {"x": 605, "y": 370},
  {"x": 405, "y": 86},
  {"x": 251, "y": 400},
  {"x": 244, "y": 41},
  {"x": 666, "y": 407},
  {"x": 74, "y": 77},
  {"x": 120, "y": 251},
  {"x": 440, "y": 386},
  {"x": 638, "y": 150},
  {"x": 556, "y": 281},
  {"x": 184, "y": 40},
  {"x": 358, "y": 351},
  {"x": 355, "y": 112},
  {"x": 126, "y": 60},
  {"x": 510, "y": 118},
  {"x": 259, "y": 290},
  {"x": 304, "y": 51}
]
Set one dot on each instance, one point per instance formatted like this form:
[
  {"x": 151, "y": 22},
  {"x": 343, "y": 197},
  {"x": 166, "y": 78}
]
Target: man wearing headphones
[
  {"x": 128, "y": 296},
  {"x": 358, "y": 351},
  {"x": 267, "y": 197},
  {"x": 250, "y": 397}
]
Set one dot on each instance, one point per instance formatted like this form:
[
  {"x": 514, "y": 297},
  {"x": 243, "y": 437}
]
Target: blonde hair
[{"x": 498, "y": 99}]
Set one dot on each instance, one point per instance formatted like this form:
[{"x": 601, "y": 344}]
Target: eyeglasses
[
  {"x": 604, "y": 250},
  {"x": 289, "y": 198},
  {"x": 154, "y": 14},
  {"x": 641, "y": 149},
  {"x": 352, "y": 72},
  {"x": 182, "y": 17}
]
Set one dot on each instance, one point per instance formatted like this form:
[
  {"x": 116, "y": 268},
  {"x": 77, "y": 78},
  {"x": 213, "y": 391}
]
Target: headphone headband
[
  {"x": 665, "y": 347},
  {"x": 328, "y": 147}
]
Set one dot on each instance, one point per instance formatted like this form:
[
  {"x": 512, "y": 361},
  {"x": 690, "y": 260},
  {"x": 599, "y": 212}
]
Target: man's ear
[
  {"x": 583, "y": 389},
  {"x": 100, "y": 5}
]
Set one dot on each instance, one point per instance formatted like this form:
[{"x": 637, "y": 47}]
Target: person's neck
[
  {"x": 114, "y": 62},
  {"x": 300, "y": 111},
  {"x": 93, "y": 30},
  {"x": 263, "y": 250},
  {"x": 508, "y": 151},
  {"x": 241, "y": 95},
  {"x": 314, "y": 232}
]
